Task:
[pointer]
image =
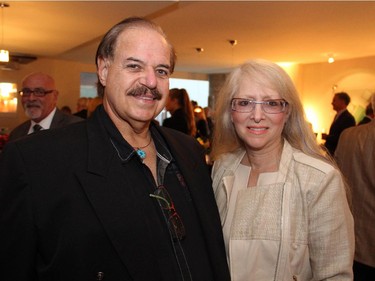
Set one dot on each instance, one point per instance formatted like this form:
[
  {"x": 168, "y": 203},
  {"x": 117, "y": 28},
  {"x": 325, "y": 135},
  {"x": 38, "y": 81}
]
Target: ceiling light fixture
[
  {"x": 4, "y": 54},
  {"x": 331, "y": 59},
  {"x": 233, "y": 42},
  {"x": 199, "y": 50}
]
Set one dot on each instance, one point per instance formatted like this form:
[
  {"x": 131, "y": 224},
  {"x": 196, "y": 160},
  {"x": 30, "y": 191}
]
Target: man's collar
[
  {"x": 340, "y": 112},
  {"x": 46, "y": 122},
  {"x": 124, "y": 150}
]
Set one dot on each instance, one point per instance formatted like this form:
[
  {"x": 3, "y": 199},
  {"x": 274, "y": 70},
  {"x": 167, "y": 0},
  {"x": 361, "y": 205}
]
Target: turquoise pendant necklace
[{"x": 141, "y": 153}]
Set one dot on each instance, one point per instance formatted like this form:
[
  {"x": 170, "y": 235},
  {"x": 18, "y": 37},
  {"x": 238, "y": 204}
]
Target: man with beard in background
[{"x": 39, "y": 99}]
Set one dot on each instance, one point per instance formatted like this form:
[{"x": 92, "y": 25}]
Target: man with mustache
[
  {"x": 115, "y": 197},
  {"x": 39, "y": 99}
]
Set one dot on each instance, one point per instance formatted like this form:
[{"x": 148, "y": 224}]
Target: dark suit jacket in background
[
  {"x": 60, "y": 119},
  {"x": 365, "y": 120},
  {"x": 82, "y": 113},
  {"x": 66, "y": 212},
  {"x": 345, "y": 120},
  {"x": 178, "y": 121}
]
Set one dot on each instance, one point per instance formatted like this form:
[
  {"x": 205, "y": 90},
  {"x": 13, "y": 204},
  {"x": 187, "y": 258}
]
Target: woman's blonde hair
[{"x": 297, "y": 131}]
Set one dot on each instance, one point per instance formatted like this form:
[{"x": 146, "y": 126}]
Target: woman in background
[
  {"x": 282, "y": 201},
  {"x": 182, "y": 115}
]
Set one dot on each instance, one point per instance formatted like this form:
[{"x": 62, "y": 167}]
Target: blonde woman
[{"x": 282, "y": 201}]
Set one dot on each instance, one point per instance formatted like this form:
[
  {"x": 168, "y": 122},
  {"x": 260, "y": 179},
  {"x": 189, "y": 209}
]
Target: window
[
  {"x": 88, "y": 85},
  {"x": 198, "y": 91}
]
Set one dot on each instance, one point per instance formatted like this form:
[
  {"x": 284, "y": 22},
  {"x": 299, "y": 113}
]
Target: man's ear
[{"x": 103, "y": 65}]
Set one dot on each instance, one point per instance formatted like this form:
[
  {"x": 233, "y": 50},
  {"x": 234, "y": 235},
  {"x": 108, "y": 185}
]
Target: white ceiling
[{"x": 281, "y": 31}]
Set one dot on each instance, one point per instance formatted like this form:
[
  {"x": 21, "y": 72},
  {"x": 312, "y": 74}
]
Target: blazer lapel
[
  {"x": 109, "y": 191},
  {"x": 57, "y": 120}
]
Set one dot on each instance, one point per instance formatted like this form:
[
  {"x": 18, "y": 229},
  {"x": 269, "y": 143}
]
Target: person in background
[
  {"x": 355, "y": 155},
  {"x": 201, "y": 123},
  {"x": 82, "y": 104},
  {"x": 369, "y": 115},
  {"x": 194, "y": 103},
  {"x": 39, "y": 98},
  {"x": 209, "y": 116},
  {"x": 343, "y": 119},
  {"x": 93, "y": 104},
  {"x": 203, "y": 132},
  {"x": 66, "y": 109},
  {"x": 115, "y": 197},
  {"x": 182, "y": 115},
  {"x": 283, "y": 204}
]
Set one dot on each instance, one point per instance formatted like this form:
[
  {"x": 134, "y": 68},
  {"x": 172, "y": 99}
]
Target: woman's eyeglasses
[
  {"x": 175, "y": 224},
  {"x": 268, "y": 106}
]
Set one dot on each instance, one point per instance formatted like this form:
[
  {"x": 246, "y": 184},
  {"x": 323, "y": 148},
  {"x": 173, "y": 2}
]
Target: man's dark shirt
[{"x": 193, "y": 244}]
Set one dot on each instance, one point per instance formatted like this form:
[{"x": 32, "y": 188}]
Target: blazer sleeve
[
  {"x": 331, "y": 230},
  {"x": 18, "y": 248}
]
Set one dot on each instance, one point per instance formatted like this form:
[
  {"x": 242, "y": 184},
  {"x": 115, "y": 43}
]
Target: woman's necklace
[{"x": 141, "y": 153}]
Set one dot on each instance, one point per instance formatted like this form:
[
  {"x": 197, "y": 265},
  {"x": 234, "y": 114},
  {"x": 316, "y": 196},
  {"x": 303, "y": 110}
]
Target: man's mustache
[{"x": 143, "y": 91}]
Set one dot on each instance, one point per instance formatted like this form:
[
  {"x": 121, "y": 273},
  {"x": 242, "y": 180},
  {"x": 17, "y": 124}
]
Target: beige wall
[
  {"x": 318, "y": 82},
  {"x": 315, "y": 82}
]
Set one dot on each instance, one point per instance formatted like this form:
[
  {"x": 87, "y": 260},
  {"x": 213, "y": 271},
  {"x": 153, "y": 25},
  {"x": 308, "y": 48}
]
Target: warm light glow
[
  {"x": 290, "y": 68},
  {"x": 331, "y": 60},
  {"x": 4, "y": 55},
  {"x": 314, "y": 115},
  {"x": 312, "y": 118},
  {"x": 8, "y": 97},
  {"x": 285, "y": 65}
]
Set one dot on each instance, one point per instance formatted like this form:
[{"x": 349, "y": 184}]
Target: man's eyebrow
[
  {"x": 165, "y": 66},
  {"x": 132, "y": 59}
]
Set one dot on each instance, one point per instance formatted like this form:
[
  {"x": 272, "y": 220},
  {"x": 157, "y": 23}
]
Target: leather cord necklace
[{"x": 141, "y": 153}]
